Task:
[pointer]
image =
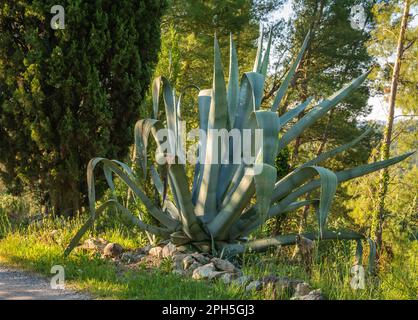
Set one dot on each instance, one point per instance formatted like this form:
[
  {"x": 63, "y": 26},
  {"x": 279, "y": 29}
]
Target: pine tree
[
  {"x": 336, "y": 53},
  {"x": 70, "y": 94},
  {"x": 404, "y": 41}
]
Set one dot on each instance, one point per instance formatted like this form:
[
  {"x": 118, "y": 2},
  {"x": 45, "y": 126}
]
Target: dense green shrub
[{"x": 68, "y": 95}]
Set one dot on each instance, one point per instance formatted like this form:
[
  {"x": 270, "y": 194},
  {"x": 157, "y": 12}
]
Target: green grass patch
[{"x": 39, "y": 246}]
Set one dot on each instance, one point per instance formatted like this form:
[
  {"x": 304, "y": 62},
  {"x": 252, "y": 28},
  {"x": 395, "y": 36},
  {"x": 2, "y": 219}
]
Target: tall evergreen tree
[{"x": 69, "y": 95}]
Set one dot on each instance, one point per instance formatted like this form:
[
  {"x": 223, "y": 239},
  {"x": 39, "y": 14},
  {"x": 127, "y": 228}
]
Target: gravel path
[{"x": 21, "y": 285}]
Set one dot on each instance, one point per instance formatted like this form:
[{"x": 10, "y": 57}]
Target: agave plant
[{"x": 223, "y": 204}]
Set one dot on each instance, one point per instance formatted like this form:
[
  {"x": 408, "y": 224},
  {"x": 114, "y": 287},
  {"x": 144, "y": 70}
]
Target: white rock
[
  {"x": 187, "y": 262},
  {"x": 228, "y": 277},
  {"x": 169, "y": 250},
  {"x": 156, "y": 252},
  {"x": 200, "y": 258},
  {"x": 313, "y": 295},
  {"x": 302, "y": 289},
  {"x": 203, "y": 272},
  {"x": 223, "y": 265},
  {"x": 216, "y": 275}
]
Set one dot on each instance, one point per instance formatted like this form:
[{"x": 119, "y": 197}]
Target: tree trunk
[
  {"x": 304, "y": 83},
  {"x": 379, "y": 214}
]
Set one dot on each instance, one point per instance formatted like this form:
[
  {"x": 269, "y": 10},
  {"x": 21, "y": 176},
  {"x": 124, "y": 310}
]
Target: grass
[{"x": 36, "y": 248}]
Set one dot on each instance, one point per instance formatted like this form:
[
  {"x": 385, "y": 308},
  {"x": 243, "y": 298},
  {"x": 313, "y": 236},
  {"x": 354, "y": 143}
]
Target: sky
[{"x": 378, "y": 103}]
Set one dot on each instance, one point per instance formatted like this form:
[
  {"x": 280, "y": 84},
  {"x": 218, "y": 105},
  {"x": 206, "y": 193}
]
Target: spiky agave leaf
[{"x": 218, "y": 119}]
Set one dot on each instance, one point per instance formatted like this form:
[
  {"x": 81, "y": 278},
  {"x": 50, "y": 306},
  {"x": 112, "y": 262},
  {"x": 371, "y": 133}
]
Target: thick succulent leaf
[
  {"x": 235, "y": 203},
  {"x": 293, "y": 113},
  {"x": 328, "y": 188},
  {"x": 131, "y": 183},
  {"x": 259, "y": 55},
  {"x": 250, "y": 97},
  {"x": 251, "y": 94},
  {"x": 218, "y": 117},
  {"x": 349, "y": 174},
  {"x": 227, "y": 171},
  {"x": 359, "y": 253},
  {"x": 328, "y": 183},
  {"x": 319, "y": 111},
  {"x": 76, "y": 239},
  {"x": 204, "y": 102},
  {"x": 327, "y": 155},
  {"x": 170, "y": 106},
  {"x": 233, "y": 206},
  {"x": 189, "y": 221},
  {"x": 269, "y": 122},
  {"x": 265, "y": 63},
  {"x": 294, "y": 206},
  {"x": 289, "y": 77},
  {"x": 233, "y": 83},
  {"x": 264, "y": 181},
  {"x": 249, "y": 218},
  {"x": 227, "y": 185},
  {"x": 180, "y": 131},
  {"x": 264, "y": 184},
  {"x": 286, "y": 240},
  {"x": 156, "y": 86},
  {"x": 156, "y": 180},
  {"x": 141, "y": 135},
  {"x": 372, "y": 256},
  {"x": 172, "y": 210}
]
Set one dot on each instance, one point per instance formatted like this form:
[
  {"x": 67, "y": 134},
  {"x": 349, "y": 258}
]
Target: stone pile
[{"x": 202, "y": 266}]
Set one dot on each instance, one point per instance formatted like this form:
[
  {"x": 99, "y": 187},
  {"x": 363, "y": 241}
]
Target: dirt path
[{"x": 21, "y": 285}]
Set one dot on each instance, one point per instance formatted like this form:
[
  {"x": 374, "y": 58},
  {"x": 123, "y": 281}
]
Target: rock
[
  {"x": 131, "y": 257},
  {"x": 169, "y": 250},
  {"x": 285, "y": 283},
  {"x": 178, "y": 262},
  {"x": 227, "y": 278},
  {"x": 203, "y": 272},
  {"x": 193, "y": 267},
  {"x": 94, "y": 244},
  {"x": 216, "y": 275},
  {"x": 302, "y": 289},
  {"x": 223, "y": 265},
  {"x": 187, "y": 262},
  {"x": 113, "y": 250},
  {"x": 242, "y": 281},
  {"x": 313, "y": 295},
  {"x": 156, "y": 252},
  {"x": 254, "y": 285},
  {"x": 200, "y": 258}
]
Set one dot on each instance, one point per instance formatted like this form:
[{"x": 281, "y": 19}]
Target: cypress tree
[{"x": 71, "y": 94}]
